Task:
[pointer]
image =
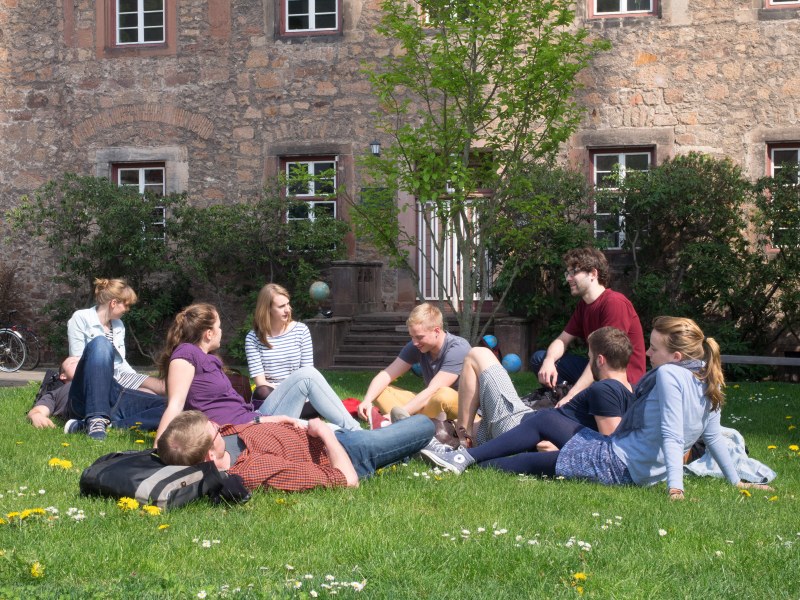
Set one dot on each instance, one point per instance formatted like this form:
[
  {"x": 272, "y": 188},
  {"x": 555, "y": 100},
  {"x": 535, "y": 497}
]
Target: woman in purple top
[{"x": 196, "y": 380}]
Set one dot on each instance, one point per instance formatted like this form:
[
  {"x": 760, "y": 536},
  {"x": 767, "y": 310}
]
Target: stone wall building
[{"x": 215, "y": 96}]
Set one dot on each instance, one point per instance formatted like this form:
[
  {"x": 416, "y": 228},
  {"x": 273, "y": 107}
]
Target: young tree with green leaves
[{"x": 474, "y": 91}]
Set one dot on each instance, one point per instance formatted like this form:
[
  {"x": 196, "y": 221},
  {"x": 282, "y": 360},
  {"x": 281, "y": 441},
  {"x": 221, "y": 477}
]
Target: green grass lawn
[{"x": 410, "y": 532}]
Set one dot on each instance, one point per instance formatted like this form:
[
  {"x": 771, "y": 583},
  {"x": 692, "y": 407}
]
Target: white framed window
[
  {"x": 140, "y": 22},
  {"x": 609, "y": 224},
  {"x": 146, "y": 178},
  {"x": 783, "y": 159},
  {"x": 780, "y": 3},
  {"x": 600, "y": 8},
  {"x": 314, "y": 181},
  {"x": 311, "y": 16}
]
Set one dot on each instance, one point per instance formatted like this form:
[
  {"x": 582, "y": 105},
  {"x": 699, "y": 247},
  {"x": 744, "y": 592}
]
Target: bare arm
[
  {"x": 548, "y": 373},
  {"x": 154, "y": 385},
  {"x": 380, "y": 382},
  {"x": 179, "y": 380},
  {"x": 440, "y": 380},
  {"x": 39, "y": 416},
  {"x": 607, "y": 425},
  {"x": 336, "y": 453}
]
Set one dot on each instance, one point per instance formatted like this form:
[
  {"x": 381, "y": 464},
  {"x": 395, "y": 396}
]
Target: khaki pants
[{"x": 444, "y": 399}]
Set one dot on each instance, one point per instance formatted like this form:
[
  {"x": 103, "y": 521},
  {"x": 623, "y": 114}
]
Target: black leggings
[{"x": 515, "y": 450}]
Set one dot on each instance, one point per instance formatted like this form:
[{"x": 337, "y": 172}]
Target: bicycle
[
  {"x": 29, "y": 339},
  {"x": 12, "y": 350}
]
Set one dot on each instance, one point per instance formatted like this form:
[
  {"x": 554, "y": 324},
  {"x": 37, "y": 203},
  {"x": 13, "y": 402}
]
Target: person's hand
[
  {"x": 548, "y": 374},
  {"x": 675, "y": 494},
  {"x": 564, "y": 400},
  {"x": 744, "y": 485},
  {"x": 363, "y": 410},
  {"x": 546, "y": 446},
  {"x": 318, "y": 429},
  {"x": 41, "y": 422}
]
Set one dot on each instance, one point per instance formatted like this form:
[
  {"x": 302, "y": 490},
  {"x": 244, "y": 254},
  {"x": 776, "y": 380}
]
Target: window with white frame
[
  {"x": 780, "y": 3},
  {"x": 600, "y": 8},
  {"x": 784, "y": 160},
  {"x": 149, "y": 178},
  {"x": 313, "y": 181},
  {"x": 609, "y": 224},
  {"x": 310, "y": 16},
  {"x": 140, "y": 22}
]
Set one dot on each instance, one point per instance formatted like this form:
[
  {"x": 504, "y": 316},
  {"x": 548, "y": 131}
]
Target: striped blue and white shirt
[{"x": 290, "y": 351}]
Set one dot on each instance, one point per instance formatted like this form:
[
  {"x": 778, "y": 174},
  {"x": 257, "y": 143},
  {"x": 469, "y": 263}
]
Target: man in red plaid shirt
[{"x": 282, "y": 453}]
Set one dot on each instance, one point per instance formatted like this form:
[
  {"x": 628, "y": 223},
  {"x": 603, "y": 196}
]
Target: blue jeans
[
  {"x": 370, "y": 450},
  {"x": 570, "y": 367},
  {"x": 290, "y": 396},
  {"x": 95, "y": 393}
]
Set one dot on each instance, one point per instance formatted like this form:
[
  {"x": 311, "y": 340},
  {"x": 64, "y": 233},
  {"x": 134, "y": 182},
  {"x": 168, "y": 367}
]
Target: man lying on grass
[{"x": 285, "y": 455}]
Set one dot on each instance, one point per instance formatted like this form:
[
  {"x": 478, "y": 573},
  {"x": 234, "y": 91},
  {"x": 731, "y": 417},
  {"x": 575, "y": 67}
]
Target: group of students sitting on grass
[{"x": 605, "y": 430}]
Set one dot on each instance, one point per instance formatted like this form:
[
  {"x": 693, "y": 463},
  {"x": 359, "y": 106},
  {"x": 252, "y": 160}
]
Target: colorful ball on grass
[
  {"x": 490, "y": 341},
  {"x": 417, "y": 369},
  {"x": 319, "y": 291},
  {"x": 512, "y": 363}
]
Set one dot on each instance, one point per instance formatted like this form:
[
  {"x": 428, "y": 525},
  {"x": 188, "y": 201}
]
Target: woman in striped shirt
[{"x": 280, "y": 356}]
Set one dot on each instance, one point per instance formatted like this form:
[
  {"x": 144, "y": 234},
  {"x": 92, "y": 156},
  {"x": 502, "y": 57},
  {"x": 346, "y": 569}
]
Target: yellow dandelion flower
[
  {"x": 579, "y": 589},
  {"x": 126, "y": 503},
  {"x": 12, "y": 515},
  {"x": 139, "y": 442},
  {"x": 60, "y": 463},
  {"x": 736, "y": 387},
  {"x": 163, "y": 526},
  {"x": 151, "y": 510},
  {"x": 133, "y": 428},
  {"x": 580, "y": 576},
  {"x": 745, "y": 493},
  {"x": 18, "y": 443},
  {"x": 3, "y": 522},
  {"x": 773, "y": 498},
  {"x": 65, "y": 444},
  {"x": 772, "y": 447},
  {"x": 37, "y": 569},
  {"x": 794, "y": 447},
  {"x": 25, "y": 514},
  {"x": 280, "y": 500},
  {"x": 788, "y": 416},
  {"x": 791, "y": 427},
  {"x": 37, "y": 511}
]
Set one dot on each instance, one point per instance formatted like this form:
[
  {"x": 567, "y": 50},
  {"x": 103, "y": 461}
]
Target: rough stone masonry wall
[{"x": 227, "y": 100}]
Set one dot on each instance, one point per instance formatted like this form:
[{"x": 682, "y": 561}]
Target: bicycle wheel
[
  {"x": 12, "y": 351},
  {"x": 32, "y": 348}
]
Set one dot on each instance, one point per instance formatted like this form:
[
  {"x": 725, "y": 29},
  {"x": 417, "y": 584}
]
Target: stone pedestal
[
  {"x": 326, "y": 335},
  {"x": 355, "y": 287},
  {"x": 513, "y": 336}
]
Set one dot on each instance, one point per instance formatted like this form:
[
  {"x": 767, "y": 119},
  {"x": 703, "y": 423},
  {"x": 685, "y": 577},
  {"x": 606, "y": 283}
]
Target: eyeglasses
[
  {"x": 572, "y": 272},
  {"x": 216, "y": 429}
]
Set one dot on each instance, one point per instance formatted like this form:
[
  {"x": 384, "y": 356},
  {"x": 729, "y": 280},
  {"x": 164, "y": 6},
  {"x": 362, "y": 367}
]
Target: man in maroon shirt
[
  {"x": 587, "y": 275},
  {"x": 284, "y": 454}
]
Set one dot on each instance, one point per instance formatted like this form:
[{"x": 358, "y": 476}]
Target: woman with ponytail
[
  {"x": 196, "y": 380},
  {"x": 677, "y": 402}
]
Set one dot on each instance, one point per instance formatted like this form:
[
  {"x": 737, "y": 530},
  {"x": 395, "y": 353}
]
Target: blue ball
[
  {"x": 512, "y": 363},
  {"x": 490, "y": 341},
  {"x": 417, "y": 369},
  {"x": 319, "y": 291}
]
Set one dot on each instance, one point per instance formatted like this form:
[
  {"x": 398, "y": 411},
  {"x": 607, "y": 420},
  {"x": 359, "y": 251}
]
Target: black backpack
[{"x": 140, "y": 474}]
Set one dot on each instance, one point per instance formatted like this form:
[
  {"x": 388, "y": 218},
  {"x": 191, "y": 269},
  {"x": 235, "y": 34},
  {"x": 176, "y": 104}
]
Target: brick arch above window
[{"x": 148, "y": 113}]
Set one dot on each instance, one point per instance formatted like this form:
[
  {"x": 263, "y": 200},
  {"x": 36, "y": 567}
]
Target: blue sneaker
[
  {"x": 75, "y": 426},
  {"x": 96, "y": 428}
]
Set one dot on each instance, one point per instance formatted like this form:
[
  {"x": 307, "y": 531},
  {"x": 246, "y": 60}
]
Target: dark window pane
[
  {"x": 784, "y": 157},
  {"x": 128, "y": 21},
  {"x": 638, "y": 5},
  {"x": 154, "y": 4},
  {"x": 154, "y": 19},
  {"x": 324, "y": 208},
  {"x": 127, "y": 6},
  {"x": 154, "y": 176},
  {"x": 297, "y": 23},
  {"x": 298, "y": 211},
  {"x": 297, "y": 7},
  {"x": 325, "y": 22},
  {"x": 154, "y": 34},
  {"x": 637, "y": 162},
  {"x": 605, "y": 162},
  {"x": 325, "y": 6},
  {"x": 604, "y": 6},
  {"x": 129, "y": 177}
]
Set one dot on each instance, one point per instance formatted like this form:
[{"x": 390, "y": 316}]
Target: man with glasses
[
  {"x": 587, "y": 275},
  {"x": 282, "y": 453}
]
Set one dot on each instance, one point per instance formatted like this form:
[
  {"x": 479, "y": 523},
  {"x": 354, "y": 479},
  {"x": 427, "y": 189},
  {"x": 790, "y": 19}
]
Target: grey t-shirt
[{"x": 450, "y": 359}]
